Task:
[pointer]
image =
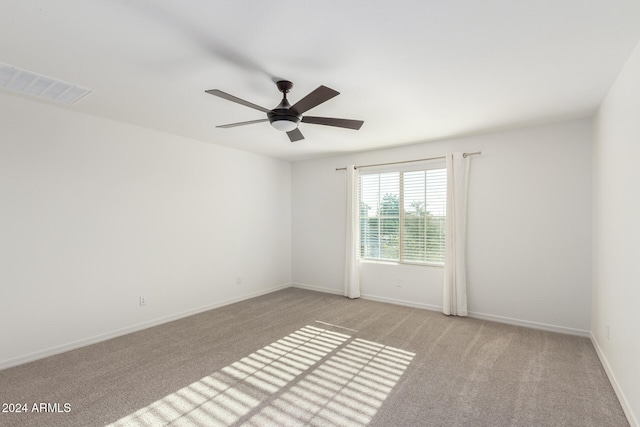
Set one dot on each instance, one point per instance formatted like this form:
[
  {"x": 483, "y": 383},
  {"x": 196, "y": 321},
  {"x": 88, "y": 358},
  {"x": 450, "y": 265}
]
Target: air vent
[{"x": 25, "y": 82}]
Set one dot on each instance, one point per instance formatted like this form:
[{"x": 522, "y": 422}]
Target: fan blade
[
  {"x": 250, "y": 122},
  {"x": 329, "y": 121},
  {"x": 235, "y": 99},
  {"x": 315, "y": 98},
  {"x": 295, "y": 135}
]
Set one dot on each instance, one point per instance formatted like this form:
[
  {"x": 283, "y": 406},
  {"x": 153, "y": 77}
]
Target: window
[{"x": 402, "y": 216}]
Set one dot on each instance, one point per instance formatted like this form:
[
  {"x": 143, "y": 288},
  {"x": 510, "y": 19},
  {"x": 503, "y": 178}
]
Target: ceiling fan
[{"x": 286, "y": 117}]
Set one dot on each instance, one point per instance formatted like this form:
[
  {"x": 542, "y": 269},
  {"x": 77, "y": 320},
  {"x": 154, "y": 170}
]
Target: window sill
[{"x": 384, "y": 262}]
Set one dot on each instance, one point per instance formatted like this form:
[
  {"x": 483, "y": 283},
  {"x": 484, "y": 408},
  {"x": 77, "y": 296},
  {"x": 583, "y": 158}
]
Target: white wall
[
  {"x": 95, "y": 213},
  {"x": 529, "y": 227},
  {"x": 616, "y": 235}
]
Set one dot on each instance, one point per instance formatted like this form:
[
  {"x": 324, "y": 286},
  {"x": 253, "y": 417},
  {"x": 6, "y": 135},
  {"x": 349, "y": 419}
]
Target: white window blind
[{"x": 402, "y": 216}]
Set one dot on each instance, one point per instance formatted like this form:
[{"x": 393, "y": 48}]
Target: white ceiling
[{"x": 412, "y": 70}]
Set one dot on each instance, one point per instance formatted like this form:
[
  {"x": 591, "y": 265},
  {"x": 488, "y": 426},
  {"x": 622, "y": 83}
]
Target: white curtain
[
  {"x": 351, "y": 273},
  {"x": 455, "y": 276}
]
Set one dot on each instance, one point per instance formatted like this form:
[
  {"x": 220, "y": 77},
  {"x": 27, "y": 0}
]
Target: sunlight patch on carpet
[{"x": 312, "y": 376}]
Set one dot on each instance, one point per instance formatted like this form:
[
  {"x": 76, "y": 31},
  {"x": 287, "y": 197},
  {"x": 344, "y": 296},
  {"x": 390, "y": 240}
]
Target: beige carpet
[{"x": 296, "y": 357}]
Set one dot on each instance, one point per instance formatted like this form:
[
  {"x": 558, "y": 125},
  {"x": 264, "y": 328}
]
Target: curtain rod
[{"x": 410, "y": 161}]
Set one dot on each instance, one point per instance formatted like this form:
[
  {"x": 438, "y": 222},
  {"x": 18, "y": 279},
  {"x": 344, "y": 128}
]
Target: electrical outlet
[
  {"x": 238, "y": 280},
  {"x": 399, "y": 283},
  {"x": 607, "y": 329},
  {"x": 143, "y": 300}
]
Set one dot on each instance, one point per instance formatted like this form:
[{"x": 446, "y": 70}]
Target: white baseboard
[
  {"x": 317, "y": 288},
  {"x": 530, "y": 324},
  {"x": 633, "y": 421},
  {"x": 134, "y": 328},
  {"x": 367, "y": 297},
  {"x": 475, "y": 315},
  {"x": 401, "y": 302}
]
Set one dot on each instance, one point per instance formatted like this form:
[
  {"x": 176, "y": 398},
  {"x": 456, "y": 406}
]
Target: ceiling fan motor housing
[{"x": 283, "y": 117}]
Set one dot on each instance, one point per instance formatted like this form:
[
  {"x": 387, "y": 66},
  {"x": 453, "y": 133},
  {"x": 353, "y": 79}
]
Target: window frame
[{"x": 418, "y": 167}]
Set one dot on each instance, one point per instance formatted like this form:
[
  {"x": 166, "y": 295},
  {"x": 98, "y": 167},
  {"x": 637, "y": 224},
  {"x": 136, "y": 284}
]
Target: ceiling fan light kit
[
  {"x": 284, "y": 124},
  {"x": 286, "y": 117}
]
